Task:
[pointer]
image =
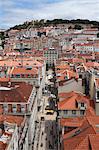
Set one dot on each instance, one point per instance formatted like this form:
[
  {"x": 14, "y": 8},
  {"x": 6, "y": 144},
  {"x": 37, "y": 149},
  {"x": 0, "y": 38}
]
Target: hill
[{"x": 42, "y": 23}]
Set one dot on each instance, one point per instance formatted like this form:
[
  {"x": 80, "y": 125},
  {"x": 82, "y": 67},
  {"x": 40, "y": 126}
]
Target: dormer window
[
  {"x": 97, "y": 94},
  {"x": 82, "y": 104}
]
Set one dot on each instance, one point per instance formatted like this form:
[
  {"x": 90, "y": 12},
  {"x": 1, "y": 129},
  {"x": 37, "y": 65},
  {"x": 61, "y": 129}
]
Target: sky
[{"x": 14, "y": 12}]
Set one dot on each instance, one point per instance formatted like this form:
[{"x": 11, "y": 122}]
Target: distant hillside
[{"x": 42, "y": 23}]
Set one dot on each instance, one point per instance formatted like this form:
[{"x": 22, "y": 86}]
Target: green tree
[
  {"x": 2, "y": 37},
  {"x": 78, "y": 27},
  {"x": 70, "y": 27}
]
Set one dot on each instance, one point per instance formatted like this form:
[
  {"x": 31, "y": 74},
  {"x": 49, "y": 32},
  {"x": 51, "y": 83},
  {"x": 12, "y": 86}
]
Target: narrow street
[{"x": 46, "y": 134}]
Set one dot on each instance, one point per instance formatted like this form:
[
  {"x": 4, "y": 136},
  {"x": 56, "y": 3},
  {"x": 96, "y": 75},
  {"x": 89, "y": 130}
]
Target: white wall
[
  {"x": 72, "y": 85},
  {"x": 13, "y": 145},
  {"x": 69, "y": 114},
  {"x": 32, "y": 120}
]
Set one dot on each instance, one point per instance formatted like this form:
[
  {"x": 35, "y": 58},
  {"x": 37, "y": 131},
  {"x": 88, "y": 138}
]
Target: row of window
[
  {"x": 74, "y": 112},
  {"x": 23, "y": 76},
  {"x": 51, "y": 53},
  {"x": 53, "y": 57},
  {"x": 14, "y": 108}
]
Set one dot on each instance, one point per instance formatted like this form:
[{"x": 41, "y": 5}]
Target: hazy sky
[{"x": 14, "y": 12}]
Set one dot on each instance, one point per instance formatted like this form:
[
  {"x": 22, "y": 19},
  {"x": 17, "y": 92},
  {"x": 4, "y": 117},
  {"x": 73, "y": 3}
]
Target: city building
[
  {"x": 73, "y": 104},
  {"x": 51, "y": 56},
  {"x": 20, "y": 99}
]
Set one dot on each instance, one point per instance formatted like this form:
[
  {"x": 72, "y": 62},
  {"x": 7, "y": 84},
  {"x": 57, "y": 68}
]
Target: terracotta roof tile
[
  {"x": 18, "y": 92},
  {"x": 90, "y": 112},
  {"x": 65, "y": 95},
  {"x": 71, "y": 122},
  {"x": 24, "y": 71},
  {"x": 9, "y": 119},
  {"x": 77, "y": 136},
  {"x": 66, "y": 75},
  {"x": 12, "y": 119},
  {"x": 69, "y": 103},
  {"x": 4, "y": 79},
  {"x": 84, "y": 145},
  {"x": 94, "y": 140},
  {"x": 2, "y": 146},
  {"x": 62, "y": 67},
  {"x": 91, "y": 64}
]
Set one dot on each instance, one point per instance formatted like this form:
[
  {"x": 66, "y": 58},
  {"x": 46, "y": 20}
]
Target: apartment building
[
  {"x": 84, "y": 47},
  {"x": 91, "y": 72},
  {"x": 30, "y": 75},
  {"x": 96, "y": 95},
  {"x": 68, "y": 79},
  {"x": 72, "y": 104},
  {"x": 51, "y": 56},
  {"x": 21, "y": 99},
  {"x": 81, "y": 132},
  {"x": 73, "y": 109},
  {"x": 91, "y": 31},
  {"x": 12, "y": 132}
]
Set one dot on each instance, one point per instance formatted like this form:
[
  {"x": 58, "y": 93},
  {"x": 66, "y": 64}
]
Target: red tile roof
[
  {"x": 78, "y": 136},
  {"x": 18, "y": 92},
  {"x": 65, "y": 95},
  {"x": 33, "y": 71},
  {"x": 83, "y": 137},
  {"x": 91, "y": 64},
  {"x": 62, "y": 66},
  {"x": 69, "y": 103},
  {"x": 2, "y": 146},
  {"x": 71, "y": 122},
  {"x": 67, "y": 74},
  {"x": 83, "y": 145},
  {"x": 4, "y": 79},
  {"x": 90, "y": 112},
  {"x": 94, "y": 140},
  {"x": 12, "y": 119},
  {"x": 78, "y": 60}
]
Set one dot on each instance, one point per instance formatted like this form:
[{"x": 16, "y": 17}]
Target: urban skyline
[
  {"x": 12, "y": 11},
  {"x": 49, "y": 75}
]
